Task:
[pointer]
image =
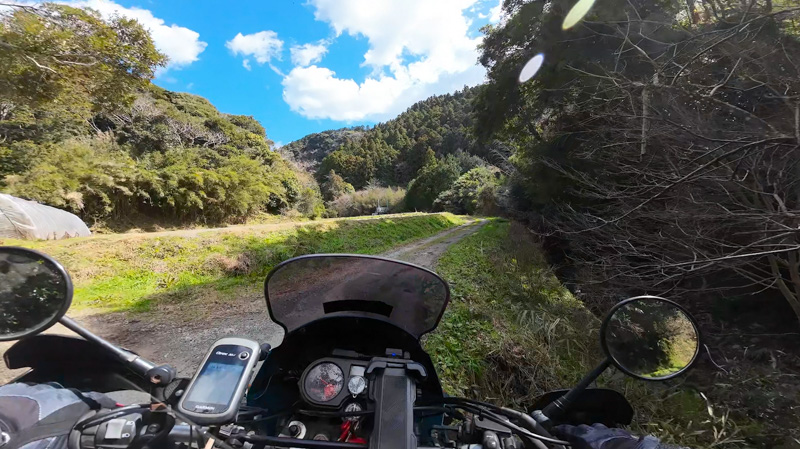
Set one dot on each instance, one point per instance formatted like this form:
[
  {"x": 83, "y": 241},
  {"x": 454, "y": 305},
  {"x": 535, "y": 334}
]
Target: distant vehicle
[{"x": 380, "y": 210}]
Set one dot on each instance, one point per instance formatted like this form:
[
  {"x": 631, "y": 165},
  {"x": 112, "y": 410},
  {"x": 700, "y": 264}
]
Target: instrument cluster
[{"x": 330, "y": 382}]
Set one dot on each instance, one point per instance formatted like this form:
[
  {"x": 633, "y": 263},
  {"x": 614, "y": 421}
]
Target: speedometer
[{"x": 324, "y": 381}]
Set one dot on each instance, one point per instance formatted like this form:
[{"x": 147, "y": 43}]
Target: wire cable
[
  {"x": 470, "y": 406},
  {"x": 109, "y": 415}
]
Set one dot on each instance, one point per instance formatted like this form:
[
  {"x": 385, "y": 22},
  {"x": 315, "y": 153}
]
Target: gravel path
[
  {"x": 426, "y": 252},
  {"x": 182, "y": 337}
]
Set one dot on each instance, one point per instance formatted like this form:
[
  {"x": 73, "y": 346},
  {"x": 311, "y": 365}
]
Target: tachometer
[{"x": 324, "y": 381}]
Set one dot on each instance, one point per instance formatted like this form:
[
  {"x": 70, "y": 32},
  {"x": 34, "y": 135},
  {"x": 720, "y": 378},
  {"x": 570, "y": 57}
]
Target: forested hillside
[
  {"x": 309, "y": 151},
  {"x": 425, "y": 149},
  {"x": 92, "y": 135},
  {"x": 392, "y": 153}
]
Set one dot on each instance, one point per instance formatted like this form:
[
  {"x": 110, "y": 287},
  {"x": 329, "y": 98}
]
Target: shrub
[
  {"x": 91, "y": 177},
  {"x": 248, "y": 123},
  {"x": 471, "y": 193},
  {"x": 17, "y": 157},
  {"x": 434, "y": 178},
  {"x": 310, "y": 203},
  {"x": 335, "y": 186},
  {"x": 364, "y": 202},
  {"x": 305, "y": 197},
  {"x": 97, "y": 179},
  {"x": 196, "y": 183}
]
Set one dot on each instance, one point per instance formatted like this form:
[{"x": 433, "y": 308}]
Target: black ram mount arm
[{"x": 393, "y": 388}]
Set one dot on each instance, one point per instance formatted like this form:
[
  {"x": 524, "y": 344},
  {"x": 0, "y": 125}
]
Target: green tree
[
  {"x": 82, "y": 128},
  {"x": 199, "y": 184},
  {"x": 308, "y": 199},
  {"x": 71, "y": 58},
  {"x": 433, "y": 179},
  {"x": 468, "y": 191},
  {"x": 354, "y": 168},
  {"x": 91, "y": 177},
  {"x": 335, "y": 186},
  {"x": 17, "y": 157},
  {"x": 248, "y": 123}
]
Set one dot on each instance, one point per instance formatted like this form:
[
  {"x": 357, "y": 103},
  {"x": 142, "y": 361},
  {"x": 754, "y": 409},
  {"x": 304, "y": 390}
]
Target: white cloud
[
  {"x": 306, "y": 54},
  {"x": 419, "y": 27},
  {"x": 246, "y": 64},
  {"x": 182, "y": 45},
  {"x": 262, "y": 46},
  {"x": 434, "y": 35},
  {"x": 496, "y": 13},
  {"x": 316, "y": 92}
]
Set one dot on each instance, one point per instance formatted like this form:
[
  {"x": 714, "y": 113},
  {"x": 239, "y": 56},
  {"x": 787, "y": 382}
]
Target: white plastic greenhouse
[{"x": 23, "y": 219}]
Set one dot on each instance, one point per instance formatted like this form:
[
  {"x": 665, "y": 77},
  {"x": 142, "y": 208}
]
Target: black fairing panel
[
  {"x": 72, "y": 362},
  {"x": 595, "y": 405}
]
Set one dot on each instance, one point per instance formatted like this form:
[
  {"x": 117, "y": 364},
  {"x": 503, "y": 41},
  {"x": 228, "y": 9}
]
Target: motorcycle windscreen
[{"x": 308, "y": 288}]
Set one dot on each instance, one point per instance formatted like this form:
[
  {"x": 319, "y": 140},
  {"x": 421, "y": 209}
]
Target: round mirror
[
  {"x": 35, "y": 291},
  {"x": 650, "y": 338}
]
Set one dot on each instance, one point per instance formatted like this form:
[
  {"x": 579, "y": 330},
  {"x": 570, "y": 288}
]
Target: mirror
[
  {"x": 35, "y": 292},
  {"x": 650, "y": 338}
]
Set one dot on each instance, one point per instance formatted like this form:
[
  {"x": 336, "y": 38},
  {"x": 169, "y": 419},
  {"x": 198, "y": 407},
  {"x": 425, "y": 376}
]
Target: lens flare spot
[
  {"x": 577, "y": 13},
  {"x": 531, "y": 67}
]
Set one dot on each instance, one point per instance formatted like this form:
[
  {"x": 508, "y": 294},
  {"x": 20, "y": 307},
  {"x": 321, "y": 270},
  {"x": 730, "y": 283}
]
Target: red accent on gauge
[{"x": 324, "y": 382}]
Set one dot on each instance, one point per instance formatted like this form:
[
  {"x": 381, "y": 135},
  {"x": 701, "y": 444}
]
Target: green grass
[
  {"x": 139, "y": 273},
  {"x": 508, "y": 314},
  {"x": 512, "y": 332}
]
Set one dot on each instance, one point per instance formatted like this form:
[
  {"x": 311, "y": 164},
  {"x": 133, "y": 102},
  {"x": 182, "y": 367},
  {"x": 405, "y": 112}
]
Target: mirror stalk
[
  {"x": 556, "y": 408},
  {"x": 143, "y": 367}
]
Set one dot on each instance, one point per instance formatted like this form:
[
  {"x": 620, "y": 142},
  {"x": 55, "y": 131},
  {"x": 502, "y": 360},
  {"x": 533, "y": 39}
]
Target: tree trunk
[{"x": 791, "y": 296}]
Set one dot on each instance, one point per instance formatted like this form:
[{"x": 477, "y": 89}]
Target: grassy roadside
[
  {"x": 508, "y": 314},
  {"x": 141, "y": 273},
  {"x": 512, "y": 332}
]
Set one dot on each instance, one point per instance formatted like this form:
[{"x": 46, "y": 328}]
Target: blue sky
[{"x": 310, "y": 65}]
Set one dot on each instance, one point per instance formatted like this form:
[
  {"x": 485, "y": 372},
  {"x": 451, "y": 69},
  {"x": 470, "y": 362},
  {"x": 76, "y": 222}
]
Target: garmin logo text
[{"x": 203, "y": 408}]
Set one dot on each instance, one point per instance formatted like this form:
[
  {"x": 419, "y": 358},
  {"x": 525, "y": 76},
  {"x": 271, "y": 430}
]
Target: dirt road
[
  {"x": 181, "y": 339},
  {"x": 426, "y": 252}
]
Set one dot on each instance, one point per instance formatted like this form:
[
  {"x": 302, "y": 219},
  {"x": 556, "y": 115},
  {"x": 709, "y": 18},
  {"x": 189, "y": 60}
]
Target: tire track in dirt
[{"x": 426, "y": 252}]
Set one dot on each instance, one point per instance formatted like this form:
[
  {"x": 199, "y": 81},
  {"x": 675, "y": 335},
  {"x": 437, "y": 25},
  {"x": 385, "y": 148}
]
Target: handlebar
[
  {"x": 162, "y": 374},
  {"x": 489, "y": 421},
  {"x": 186, "y": 434},
  {"x": 527, "y": 429},
  {"x": 182, "y": 433}
]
